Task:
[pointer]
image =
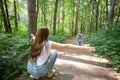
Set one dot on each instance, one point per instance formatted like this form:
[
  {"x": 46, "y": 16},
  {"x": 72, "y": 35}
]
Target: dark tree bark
[
  {"x": 58, "y": 15},
  {"x": 55, "y": 17},
  {"x": 111, "y": 15},
  {"x": 73, "y": 16},
  {"x": 15, "y": 14},
  {"x": 81, "y": 28},
  {"x": 106, "y": 9},
  {"x": 76, "y": 20},
  {"x": 91, "y": 18},
  {"x": 97, "y": 14},
  {"x": 7, "y": 17},
  {"x": 63, "y": 18},
  {"x": 32, "y": 17},
  {"x": 4, "y": 16},
  {"x": 18, "y": 17},
  {"x": 8, "y": 21},
  {"x": 118, "y": 15},
  {"x": 44, "y": 14}
]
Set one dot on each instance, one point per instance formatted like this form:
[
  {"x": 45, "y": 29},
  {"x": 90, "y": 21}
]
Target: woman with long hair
[{"x": 41, "y": 58}]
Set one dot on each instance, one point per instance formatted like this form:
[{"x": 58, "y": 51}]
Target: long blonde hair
[{"x": 40, "y": 37}]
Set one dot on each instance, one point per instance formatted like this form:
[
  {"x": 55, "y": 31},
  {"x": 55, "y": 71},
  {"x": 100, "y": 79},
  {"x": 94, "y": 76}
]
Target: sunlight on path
[
  {"x": 85, "y": 57},
  {"x": 79, "y": 65}
]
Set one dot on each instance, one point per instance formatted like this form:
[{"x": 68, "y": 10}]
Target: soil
[{"x": 79, "y": 65}]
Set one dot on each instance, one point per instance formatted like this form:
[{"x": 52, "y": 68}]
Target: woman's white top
[{"x": 45, "y": 52}]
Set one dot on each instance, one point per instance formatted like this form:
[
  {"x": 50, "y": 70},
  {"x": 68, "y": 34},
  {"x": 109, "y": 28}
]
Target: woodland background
[{"x": 98, "y": 20}]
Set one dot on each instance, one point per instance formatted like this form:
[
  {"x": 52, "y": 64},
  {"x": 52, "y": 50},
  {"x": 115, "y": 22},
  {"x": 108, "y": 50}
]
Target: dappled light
[
  {"x": 59, "y": 39},
  {"x": 84, "y": 57}
]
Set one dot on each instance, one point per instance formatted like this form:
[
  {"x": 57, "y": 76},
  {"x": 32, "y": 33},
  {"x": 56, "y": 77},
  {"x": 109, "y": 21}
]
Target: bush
[
  {"x": 13, "y": 50},
  {"x": 107, "y": 42}
]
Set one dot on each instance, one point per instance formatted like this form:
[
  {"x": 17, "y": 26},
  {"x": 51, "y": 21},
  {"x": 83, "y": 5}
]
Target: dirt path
[{"x": 79, "y": 65}]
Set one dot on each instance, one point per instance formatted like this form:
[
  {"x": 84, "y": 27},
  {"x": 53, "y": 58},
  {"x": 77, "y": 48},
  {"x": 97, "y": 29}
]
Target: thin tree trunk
[
  {"x": 58, "y": 15},
  {"x": 111, "y": 15},
  {"x": 76, "y": 21},
  {"x": 4, "y": 16},
  {"x": 7, "y": 17},
  {"x": 55, "y": 17},
  {"x": 81, "y": 27},
  {"x": 15, "y": 14},
  {"x": 63, "y": 18},
  {"x": 18, "y": 17},
  {"x": 106, "y": 9},
  {"x": 118, "y": 15},
  {"x": 100, "y": 18},
  {"x": 32, "y": 17},
  {"x": 91, "y": 18},
  {"x": 73, "y": 12},
  {"x": 44, "y": 15},
  {"x": 97, "y": 14}
]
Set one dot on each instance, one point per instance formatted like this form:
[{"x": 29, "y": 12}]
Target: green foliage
[
  {"x": 59, "y": 37},
  {"x": 10, "y": 68},
  {"x": 13, "y": 52},
  {"x": 107, "y": 42}
]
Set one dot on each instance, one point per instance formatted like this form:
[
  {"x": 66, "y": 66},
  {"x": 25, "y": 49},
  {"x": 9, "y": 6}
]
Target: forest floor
[{"x": 79, "y": 65}]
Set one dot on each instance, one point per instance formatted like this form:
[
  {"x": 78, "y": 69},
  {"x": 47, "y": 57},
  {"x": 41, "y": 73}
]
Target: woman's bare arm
[{"x": 71, "y": 46}]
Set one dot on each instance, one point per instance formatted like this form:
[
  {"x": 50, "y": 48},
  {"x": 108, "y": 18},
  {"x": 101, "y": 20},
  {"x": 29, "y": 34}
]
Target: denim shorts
[{"x": 42, "y": 70}]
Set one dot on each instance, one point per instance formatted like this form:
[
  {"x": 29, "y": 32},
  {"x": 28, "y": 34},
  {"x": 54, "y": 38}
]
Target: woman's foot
[
  {"x": 51, "y": 73},
  {"x": 34, "y": 77}
]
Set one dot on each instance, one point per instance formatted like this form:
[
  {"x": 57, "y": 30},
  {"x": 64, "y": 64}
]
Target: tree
[
  {"x": 97, "y": 14},
  {"x": 15, "y": 14},
  {"x": 73, "y": 16},
  {"x": 7, "y": 29},
  {"x": 76, "y": 20},
  {"x": 106, "y": 9},
  {"x": 91, "y": 18},
  {"x": 55, "y": 17},
  {"x": 63, "y": 17},
  {"x": 7, "y": 17},
  {"x": 110, "y": 17},
  {"x": 118, "y": 15},
  {"x": 32, "y": 17}
]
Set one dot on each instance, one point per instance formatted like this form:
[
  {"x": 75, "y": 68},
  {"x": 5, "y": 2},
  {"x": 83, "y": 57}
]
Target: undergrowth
[
  {"x": 107, "y": 43},
  {"x": 14, "y": 49}
]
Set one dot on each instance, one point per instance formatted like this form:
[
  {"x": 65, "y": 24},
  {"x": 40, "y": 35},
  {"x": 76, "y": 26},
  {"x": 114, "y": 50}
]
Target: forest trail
[{"x": 79, "y": 65}]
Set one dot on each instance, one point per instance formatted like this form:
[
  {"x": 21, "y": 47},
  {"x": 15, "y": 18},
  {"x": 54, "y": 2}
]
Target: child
[{"x": 79, "y": 38}]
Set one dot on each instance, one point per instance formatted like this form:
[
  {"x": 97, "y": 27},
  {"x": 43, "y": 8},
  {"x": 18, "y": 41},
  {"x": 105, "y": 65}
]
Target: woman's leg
[{"x": 50, "y": 62}]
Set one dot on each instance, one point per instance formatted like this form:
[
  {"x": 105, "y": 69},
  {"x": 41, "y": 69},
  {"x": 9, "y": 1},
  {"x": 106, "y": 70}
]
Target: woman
[{"x": 41, "y": 59}]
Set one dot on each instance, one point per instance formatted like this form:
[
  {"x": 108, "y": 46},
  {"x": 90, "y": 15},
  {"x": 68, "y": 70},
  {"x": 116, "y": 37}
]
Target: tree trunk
[
  {"x": 4, "y": 16},
  {"x": 58, "y": 16},
  {"x": 55, "y": 17},
  {"x": 81, "y": 27},
  {"x": 118, "y": 15},
  {"x": 91, "y": 18},
  {"x": 63, "y": 18},
  {"x": 44, "y": 15},
  {"x": 97, "y": 14},
  {"x": 111, "y": 15},
  {"x": 15, "y": 14},
  {"x": 7, "y": 17},
  {"x": 32, "y": 17},
  {"x": 76, "y": 20},
  {"x": 106, "y": 9},
  {"x": 73, "y": 12}
]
